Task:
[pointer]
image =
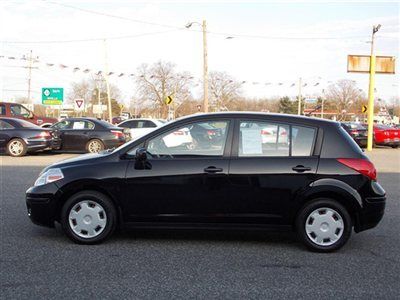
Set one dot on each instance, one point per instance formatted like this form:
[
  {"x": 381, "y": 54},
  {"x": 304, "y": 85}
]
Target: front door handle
[
  {"x": 213, "y": 169},
  {"x": 301, "y": 168}
]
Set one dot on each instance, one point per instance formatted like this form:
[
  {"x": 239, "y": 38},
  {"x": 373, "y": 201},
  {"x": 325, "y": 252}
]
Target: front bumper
[{"x": 41, "y": 203}]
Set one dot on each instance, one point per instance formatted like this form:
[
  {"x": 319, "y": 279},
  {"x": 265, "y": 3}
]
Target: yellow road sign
[
  {"x": 169, "y": 100},
  {"x": 364, "y": 109}
]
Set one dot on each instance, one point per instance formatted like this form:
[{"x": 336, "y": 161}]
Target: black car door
[
  {"x": 270, "y": 164},
  {"x": 5, "y": 130},
  {"x": 182, "y": 180},
  {"x": 77, "y": 135}
]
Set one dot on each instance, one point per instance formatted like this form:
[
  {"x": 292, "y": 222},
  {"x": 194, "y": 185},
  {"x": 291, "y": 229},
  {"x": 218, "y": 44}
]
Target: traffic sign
[
  {"x": 310, "y": 100},
  {"x": 79, "y": 104},
  {"x": 52, "y": 96},
  {"x": 169, "y": 100},
  {"x": 364, "y": 109}
]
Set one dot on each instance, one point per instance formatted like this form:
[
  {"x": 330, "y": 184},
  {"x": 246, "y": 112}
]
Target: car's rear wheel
[
  {"x": 16, "y": 148},
  {"x": 88, "y": 217},
  {"x": 324, "y": 225},
  {"x": 395, "y": 146},
  {"x": 94, "y": 146}
]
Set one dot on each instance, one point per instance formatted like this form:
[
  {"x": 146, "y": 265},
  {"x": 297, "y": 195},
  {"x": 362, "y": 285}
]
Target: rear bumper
[
  {"x": 371, "y": 214},
  {"x": 39, "y": 144}
]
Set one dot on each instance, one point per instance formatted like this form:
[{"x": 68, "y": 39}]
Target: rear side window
[
  {"x": 2, "y": 110},
  {"x": 5, "y": 125},
  {"x": 302, "y": 140},
  {"x": 263, "y": 139},
  {"x": 149, "y": 124},
  {"x": 19, "y": 110},
  {"x": 270, "y": 139},
  {"x": 82, "y": 125}
]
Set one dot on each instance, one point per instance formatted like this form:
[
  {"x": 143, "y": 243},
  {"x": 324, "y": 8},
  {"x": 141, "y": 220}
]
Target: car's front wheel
[
  {"x": 88, "y": 217},
  {"x": 324, "y": 225}
]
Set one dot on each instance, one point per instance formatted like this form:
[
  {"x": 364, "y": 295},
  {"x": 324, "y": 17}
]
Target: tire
[
  {"x": 395, "y": 146},
  {"x": 16, "y": 148},
  {"x": 94, "y": 146},
  {"x": 88, "y": 217},
  {"x": 327, "y": 233}
]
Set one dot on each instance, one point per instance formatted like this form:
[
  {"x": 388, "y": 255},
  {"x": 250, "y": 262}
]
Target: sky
[{"x": 272, "y": 44}]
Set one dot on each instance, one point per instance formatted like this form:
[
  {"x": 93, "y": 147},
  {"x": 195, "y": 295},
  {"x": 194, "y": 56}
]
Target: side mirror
[{"x": 141, "y": 154}]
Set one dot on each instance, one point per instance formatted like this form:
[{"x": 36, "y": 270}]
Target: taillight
[
  {"x": 355, "y": 132},
  {"x": 43, "y": 135},
  {"x": 360, "y": 165},
  {"x": 118, "y": 134},
  {"x": 179, "y": 132},
  {"x": 211, "y": 132},
  {"x": 265, "y": 132}
]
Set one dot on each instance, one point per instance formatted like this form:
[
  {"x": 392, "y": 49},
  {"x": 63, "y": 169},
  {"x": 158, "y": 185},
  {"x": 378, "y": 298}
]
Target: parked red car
[
  {"x": 386, "y": 136},
  {"x": 15, "y": 110}
]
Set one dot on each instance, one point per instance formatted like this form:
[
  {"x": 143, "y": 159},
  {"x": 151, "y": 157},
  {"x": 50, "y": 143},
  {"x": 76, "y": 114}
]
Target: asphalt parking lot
[{"x": 42, "y": 263}]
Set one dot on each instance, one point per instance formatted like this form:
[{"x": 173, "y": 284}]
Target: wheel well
[
  {"x": 86, "y": 187},
  {"x": 347, "y": 202}
]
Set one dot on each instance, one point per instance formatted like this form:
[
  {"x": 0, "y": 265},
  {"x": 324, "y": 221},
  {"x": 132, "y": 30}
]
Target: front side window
[
  {"x": 195, "y": 139},
  {"x": 19, "y": 110},
  {"x": 63, "y": 124},
  {"x": 265, "y": 139},
  {"x": 2, "y": 110}
]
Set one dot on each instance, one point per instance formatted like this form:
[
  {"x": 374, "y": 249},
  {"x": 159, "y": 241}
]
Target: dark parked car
[
  {"x": 319, "y": 183},
  {"x": 357, "y": 131},
  {"x": 18, "y": 137},
  {"x": 88, "y": 135}
]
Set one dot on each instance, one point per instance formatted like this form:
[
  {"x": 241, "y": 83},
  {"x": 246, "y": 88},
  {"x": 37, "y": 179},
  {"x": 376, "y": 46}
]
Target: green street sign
[{"x": 52, "y": 96}]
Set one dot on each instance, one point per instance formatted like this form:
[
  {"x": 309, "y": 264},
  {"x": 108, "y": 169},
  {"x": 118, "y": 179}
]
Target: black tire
[
  {"x": 395, "y": 146},
  {"x": 99, "y": 199},
  {"x": 100, "y": 143},
  {"x": 21, "y": 143},
  {"x": 320, "y": 203}
]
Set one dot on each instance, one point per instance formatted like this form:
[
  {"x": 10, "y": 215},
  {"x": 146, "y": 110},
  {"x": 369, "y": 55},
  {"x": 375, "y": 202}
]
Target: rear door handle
[
  {"x": 213, "y": 169},
  {"x": 301, "y": 168}
]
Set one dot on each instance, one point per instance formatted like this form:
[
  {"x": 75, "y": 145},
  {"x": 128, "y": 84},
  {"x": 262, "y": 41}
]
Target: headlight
[{"x": 50, "y": 175}]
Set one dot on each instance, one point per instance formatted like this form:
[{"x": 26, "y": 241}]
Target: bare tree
[
  {"x": 89, "y": 90},
  {"x": 160, "y": 80},
  {"x": 225, "y": 90},
  {"x": 344, "y": 94}
]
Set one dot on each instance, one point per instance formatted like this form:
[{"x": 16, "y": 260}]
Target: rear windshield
[{"x": 105, "y": 123}]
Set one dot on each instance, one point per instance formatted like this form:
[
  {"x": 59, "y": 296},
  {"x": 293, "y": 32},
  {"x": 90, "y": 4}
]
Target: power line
[
  {"x": 88, "y": 39},
  {"x": 113, "y": 16}
]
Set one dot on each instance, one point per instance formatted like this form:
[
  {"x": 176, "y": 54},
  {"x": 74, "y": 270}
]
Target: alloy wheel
[
  {"x": 16, "y": 148},
  {"x": 94, "y": 146}
]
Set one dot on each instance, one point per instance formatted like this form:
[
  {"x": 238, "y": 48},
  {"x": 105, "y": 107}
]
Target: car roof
[{"x": 271, "y": 116}]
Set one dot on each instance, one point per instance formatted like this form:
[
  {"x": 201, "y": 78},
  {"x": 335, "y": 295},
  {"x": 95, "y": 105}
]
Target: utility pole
[
  {"x": 322, "y": 104},
  {"x": 372, "y": 63},
  {"x": 205, "y": 62},
  {"x": 107, "y": 83},
  {"x": 205, "y": 66},
  {"x": 299, "y": 106},
  {"x": 31, "y": 60}
]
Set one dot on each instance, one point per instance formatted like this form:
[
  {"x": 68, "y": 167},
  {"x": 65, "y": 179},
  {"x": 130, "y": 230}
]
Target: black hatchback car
[
  {"x": 317, "y": 182},
  {"x": 88, "y": 135}
]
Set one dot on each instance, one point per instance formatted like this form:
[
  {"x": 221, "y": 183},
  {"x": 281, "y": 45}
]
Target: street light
[{"x": 205, "y": 62}]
